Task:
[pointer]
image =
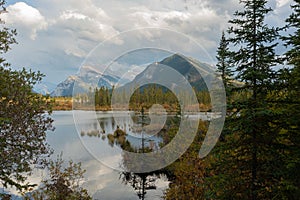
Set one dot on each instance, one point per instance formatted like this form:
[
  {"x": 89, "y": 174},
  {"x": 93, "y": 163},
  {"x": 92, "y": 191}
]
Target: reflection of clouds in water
[
  {"x": 74, "y": 151},
  {"x": 95, "y": 176},
  {"x": 162, "y": 184},
  {"x": 116, "y": 190},
  {"x": 104, "y": 183},
  {"x": 95, "y": 131},
  {"x": 63, "y": 118},
  {"x": 66, "y": 140},
  {"x": 100, "y": 181}
]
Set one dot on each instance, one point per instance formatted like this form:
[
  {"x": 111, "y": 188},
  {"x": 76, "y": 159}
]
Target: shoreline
[{"x": 66, "y": 104}]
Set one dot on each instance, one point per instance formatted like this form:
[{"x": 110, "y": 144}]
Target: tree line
[{"x": 144, "y": 97}]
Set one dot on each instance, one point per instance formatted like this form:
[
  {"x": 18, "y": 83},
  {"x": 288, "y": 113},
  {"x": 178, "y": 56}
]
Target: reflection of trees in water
[
  {"x": 139, "y": 182},
  {"x": 119, "y": 138},
  {"x": 150, "y": 136}
]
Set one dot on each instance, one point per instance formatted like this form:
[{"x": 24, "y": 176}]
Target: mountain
[
  {"x": 86, "y": 78},
  {"x": 44, "y": 88},
  {"x": 187, "y": 67}
]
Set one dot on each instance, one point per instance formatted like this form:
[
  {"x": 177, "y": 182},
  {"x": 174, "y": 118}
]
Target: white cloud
[
  {"x": 66, "y": 31},
  {"x": 86, "y": 26},
  {"x": 203, "y": 24},
  {"x": 71, "y": 14},
  {"x": 281, "y": 3},
  {"x": 26, "y": 18},
  {"x": 147, "y": 17},
  {"x": 74, "y": 50},
  {"x": 90, "y": 22}
]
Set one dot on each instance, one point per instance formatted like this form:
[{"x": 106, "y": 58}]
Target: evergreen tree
[
  {"x": 223, "y": 57},
  {"x": 290, "y": 106},
  {"x": 249, "y": 158},
  {"x": 293, "y": 40}
]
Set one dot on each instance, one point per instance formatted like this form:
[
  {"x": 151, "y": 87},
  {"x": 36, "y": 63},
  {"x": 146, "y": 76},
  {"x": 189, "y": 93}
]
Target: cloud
[
  {"x": 281, "y": 3},
  {"x": 282, "y": 7},
  {"x": 203, "y": 25},
  {"x": 73, "y": 15},
  {"x": 89, "y": 25},
  {"x": 64, "y": 32},
  {"x": 26, "y": 18},
  {"x": 85, "y": 26}
]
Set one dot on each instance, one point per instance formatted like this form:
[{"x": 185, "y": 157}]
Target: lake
[
  {"x": 101, "y": 181},
  {"x": 83, "y": 137}
]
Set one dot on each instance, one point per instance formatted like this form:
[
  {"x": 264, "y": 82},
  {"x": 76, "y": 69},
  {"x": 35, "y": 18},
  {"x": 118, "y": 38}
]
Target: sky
[{"x": 57, "y": 37}]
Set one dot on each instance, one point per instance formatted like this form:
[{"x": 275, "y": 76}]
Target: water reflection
[
  {"x": 140, "y": 182},
  {"x": 135, "y": 135},
  {"x": 101, "y": 181},
  {"x": 107, "y": 128},
  {"x": 111, "y": 133}
]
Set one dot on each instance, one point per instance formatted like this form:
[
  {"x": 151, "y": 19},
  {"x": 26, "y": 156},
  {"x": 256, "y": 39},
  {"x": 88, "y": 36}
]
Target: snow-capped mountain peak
[{"x": 87, "y": 77}]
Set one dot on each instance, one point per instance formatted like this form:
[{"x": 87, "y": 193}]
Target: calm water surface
[
  {"x": 76, "y": 139},
  {"x": 101, "y": 181}
]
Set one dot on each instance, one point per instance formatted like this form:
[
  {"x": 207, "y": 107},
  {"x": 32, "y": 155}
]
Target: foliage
[
  {"x": 188, "y": 184},
  {"x": 188, "y": 173},
  {"x": 247, "y": 163},
  {"x": 62, "y": 103},
  {"x": 102, "y": 96},
  {"x": 289, "y": 98},
  {"x": 64, "y": 182},
  {"x": 223, "y": 57},
  {"x": 7, "y": 36},
  {"x": 293, "y": 40},
  {"x": 258, "y": 154},
  {"x": 24, "y": 119},
  {"x": 147, "y": 96},
  {"x": 23, "y": 124}
]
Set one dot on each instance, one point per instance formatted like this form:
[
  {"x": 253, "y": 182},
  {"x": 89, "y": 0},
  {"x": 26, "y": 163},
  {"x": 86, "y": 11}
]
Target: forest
[{"x": 100, "y": 99}]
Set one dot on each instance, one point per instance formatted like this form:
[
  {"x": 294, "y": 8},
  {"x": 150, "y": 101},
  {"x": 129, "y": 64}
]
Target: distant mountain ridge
[
  {"x": 84, "y": 79},
  {"x": 44, "y": 88},
  {"x": 191, "y": 70}
]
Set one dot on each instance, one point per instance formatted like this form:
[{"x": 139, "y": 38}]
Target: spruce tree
[
  {"x": 223, "y": 57},
  {"x": 248, "y": 159},
  {"x": 290, "y": 106},
  {"x": 293, "y": 40}
]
